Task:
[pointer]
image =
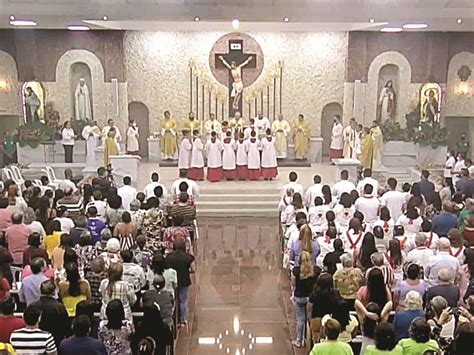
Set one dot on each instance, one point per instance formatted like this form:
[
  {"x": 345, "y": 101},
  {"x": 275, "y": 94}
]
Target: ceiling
[{"x": 255, "y": 15}]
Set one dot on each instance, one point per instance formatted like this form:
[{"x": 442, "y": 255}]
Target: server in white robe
[
  {"x": 91, "y": 134},
  {"x": 214, "y": 150},
  {"x": 262, "y": 124},
  {"x": 196, "y": 171},
  {"x": 242, "y": 148},
  {"x": 228, "y": 158},
  {"x": 132, "y": 138},
  {"x": 269, "y": 160},
  {"x": 253, "y": 150},
  {"x": 337, "y": 139},
  {"x": 184, "y": 157}
]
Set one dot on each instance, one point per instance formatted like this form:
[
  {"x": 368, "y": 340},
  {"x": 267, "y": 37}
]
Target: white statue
[{"x": 82, "y": 101}]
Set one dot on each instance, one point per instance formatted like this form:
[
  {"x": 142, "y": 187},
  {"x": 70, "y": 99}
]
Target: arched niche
[
  {"x": 10, "y": 100},
  {"x": 139, "y": 112},
  {"x": 78, "y": 71},
  {"x": 327, "y": 121},
  {"x": 388, "y": 66},
  {"x": 388, "y": 75},
  {"x": 460, "y": 93}
]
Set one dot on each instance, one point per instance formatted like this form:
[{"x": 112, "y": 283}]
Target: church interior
[{"x": 332, "y": 87}]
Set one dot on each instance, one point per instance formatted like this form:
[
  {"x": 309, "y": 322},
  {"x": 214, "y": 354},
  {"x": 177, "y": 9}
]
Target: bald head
[
  {"x": 444, "y": 244},
  {"x": 377, "y": 259}
]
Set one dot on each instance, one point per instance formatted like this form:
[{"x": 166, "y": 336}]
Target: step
[
  {"x": 230, "y": 212},
  {"x": 243, "y": 188},
  {"x": 204, "y": 197},
  {"x": 400, "y": 160},
  {"x": 236, "y": 205}
]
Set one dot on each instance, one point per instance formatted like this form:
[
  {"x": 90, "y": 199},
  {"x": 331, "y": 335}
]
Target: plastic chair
[
  {"x": 8, "y": 173},
  {"x": 17, "y": 273},
  {"x": 17, "y": 173},
  {"x": 53, "y": 181}
]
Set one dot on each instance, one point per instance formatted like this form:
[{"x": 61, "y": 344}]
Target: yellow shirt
[
  {"x": 51, "y": 242},
  {"x": 8, "y": 348}
]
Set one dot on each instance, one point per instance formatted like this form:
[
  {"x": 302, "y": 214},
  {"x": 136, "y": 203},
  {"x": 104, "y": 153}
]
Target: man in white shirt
[
  {"x": 106, "y": 129},
  {"x": 440, "y": 261},
  {"x": 393, "y": 199},
  {"x": 313, "y": 191},
  {"x": 127, "y": 193},
  {"x": 368, "y": 205},
  {"x": 421, "y": 254},
  {"x": 193, "y": 188},
  {"x": 344, "y": 185},
  {"x": 297, "y": 187},
  {"x": 261, "y": 124},
  {"x": 368, "y": 179},
  {"x": 150, "y": 188},
  {"x": 67, "y": 183},
  {"x": 66, "y": 223}
]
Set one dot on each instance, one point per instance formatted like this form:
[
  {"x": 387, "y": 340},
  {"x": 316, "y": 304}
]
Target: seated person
[{"x": 332, "y": 329}]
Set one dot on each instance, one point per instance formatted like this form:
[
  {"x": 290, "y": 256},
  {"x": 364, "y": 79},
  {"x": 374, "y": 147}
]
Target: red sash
[
  {"x": 354, "y": 245},
  {"x": 428, "y": 242},
  {"x": 457, "y": 253},
  {"x": 253, "y": 140},
  {"x": 227, "y": 140},
  {"x": 389, "y": 258},
  {"x": 327, "y": 240},
  {"x": 402, "y": 243},
  {"x": 269, "y": 139},
  {"x": 213, "y": 140},
  {"x": 363, "y": 227}
]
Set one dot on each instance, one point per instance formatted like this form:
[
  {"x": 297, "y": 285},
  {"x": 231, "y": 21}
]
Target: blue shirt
[
  {"x": 30, "y": 288},
  {"x": 443, "y": 222},
  {"x": 402, "y": 322},
  {"x": 82, "y": 345},
  {"x": 427, "y": 189},
  {"x": 95, "y": 226},
  {"x": 297, "y": 248}
]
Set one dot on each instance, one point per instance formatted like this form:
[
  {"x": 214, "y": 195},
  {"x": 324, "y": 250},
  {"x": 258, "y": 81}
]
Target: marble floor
[{"x": 240, "y": 297}]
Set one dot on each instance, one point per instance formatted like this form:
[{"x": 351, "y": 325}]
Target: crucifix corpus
[{"x": 235, "y": 61}]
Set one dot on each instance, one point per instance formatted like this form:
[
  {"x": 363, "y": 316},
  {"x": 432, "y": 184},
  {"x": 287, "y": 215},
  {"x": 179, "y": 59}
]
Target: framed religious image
[
  {"x": 430, "y": 103},
  {"x": 33, "y": 101}
]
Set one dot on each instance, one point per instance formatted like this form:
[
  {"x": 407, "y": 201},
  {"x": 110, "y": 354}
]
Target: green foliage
[
  {"x": 32, "y": 134},
  {"x": 392, "y": 131},
  {"x": 431, "y": 134}
]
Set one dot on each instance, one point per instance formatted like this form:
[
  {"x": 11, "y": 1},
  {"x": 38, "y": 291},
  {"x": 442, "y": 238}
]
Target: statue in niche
[
  {"x": 387, "y": 102},
  {"x": 82, "y": 102},
  {"x": 32, "y": 105},
  {"x": 430, "y": 103}
]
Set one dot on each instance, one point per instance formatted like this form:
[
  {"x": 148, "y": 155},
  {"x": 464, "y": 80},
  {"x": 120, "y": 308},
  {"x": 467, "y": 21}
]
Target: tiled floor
[{"x": 240, "y": 295}]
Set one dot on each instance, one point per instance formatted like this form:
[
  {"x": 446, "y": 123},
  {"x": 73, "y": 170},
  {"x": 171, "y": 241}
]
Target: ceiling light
[
  {"x": 197, "y": 19},
  {"x": 415, "y": 26},
  {"x": 23, "y": 23},
  {"x": 459, "y": 20},
  {"x": 235, "y": 24},
  {"x": 12, "y": 18},
  {"x": 78, "y": 28},
  {"x": 372, "y": 20},
  {"x": 391, "y": 29},
  {"x": 105, "y": 18},
  {"x": 286, "y": 19}
]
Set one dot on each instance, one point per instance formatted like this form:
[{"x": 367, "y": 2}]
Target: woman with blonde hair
[
  {"x": 304, "y": 243},
  {"x": 15, "y": 200},
  {"x": 304, "y": 282}
]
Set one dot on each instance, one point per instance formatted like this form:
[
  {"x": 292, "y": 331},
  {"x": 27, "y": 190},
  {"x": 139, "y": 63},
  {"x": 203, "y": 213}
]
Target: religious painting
[
  {"x": 236, "y": 61},
  {"x": 33, "y": 102},
  {"x": 430, "y": 103}
]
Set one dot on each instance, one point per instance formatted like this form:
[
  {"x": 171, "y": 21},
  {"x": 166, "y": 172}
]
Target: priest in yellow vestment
[
  {"x": 110, "y": 147},
  {"x": 192, "y": 123},
  {"x": 301, "y": 137},
  {"x": 367, "y": 149},
  {"x": 168, "y": 137},
  {"x": 377, "y": 138},
  {"x": 281, "y": 128}
]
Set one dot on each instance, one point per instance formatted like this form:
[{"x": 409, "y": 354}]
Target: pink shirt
[
  {"x": 5, "y": 218},
  {"x": 17, "y": 239}
]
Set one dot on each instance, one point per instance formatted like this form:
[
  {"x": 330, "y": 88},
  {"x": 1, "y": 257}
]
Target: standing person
[
  {"x": 350, "y": 139},
  {"x": 261, "y": 124},
  {"x": 301, "y": 138},
  {"x": 281, "y": 128},
  {"x": 427, "y": 188},
  {"x": 228, "y": 157},
  {"x": 253, "y": 157},
  {"x": 68, "y": 136},
  {"x": 115, "y": 331},
  {"x": 368, "y": 205},
  {"x": 196, "y": 171},
  {"x": 74, "y": 290},
  {"x": 127, "y": 193},
  {"x": 212, "y": 125},
  {"x": 183, "y": 263},
  {"x": 111, "y": 146},
  {"x": 343, "y": 186},
  {"x": 168, "y": 136},
  {"x": 91, "y": 134},
  {"x": 448, "y": 170},
  {"x": 393, "y": 199},
  {"x": 463, "y": 145},
  {"x": 377, "y": 137},
  {"x": 242, "y": 158},
  {"x": 366, "y": 149},
  {"x": 269, "y": 160},
  {"x": 111, "y": 126},
  {"x": 337, "y": 141},
  {"x": 214, "y": 149},
  {"x": 132, "y": 138},
  {"x": 184, "y": 157},
  {"x": 9, "y": 149},
  {"x": 81, "y": 342}
]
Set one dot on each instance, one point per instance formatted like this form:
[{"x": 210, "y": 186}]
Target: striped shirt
[{"x": 32, "y": 342}]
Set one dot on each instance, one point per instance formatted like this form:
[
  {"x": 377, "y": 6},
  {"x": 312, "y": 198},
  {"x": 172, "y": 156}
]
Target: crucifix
[{"x": 235, "y": 61}]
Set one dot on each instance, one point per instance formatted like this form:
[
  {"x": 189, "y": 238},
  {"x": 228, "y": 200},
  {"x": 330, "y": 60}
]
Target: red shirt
[
  {"x": 17, "y": 239},
  {"x": 7, "y": 325}
]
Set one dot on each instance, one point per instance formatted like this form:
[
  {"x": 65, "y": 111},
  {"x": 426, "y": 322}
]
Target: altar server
[
  {"x": 253, "y": 156},
  {"x": 132, "y": 138},
  {"x": 228, "y": 157},
  {"x": 91, "y": 134},
  {"x": 337, "y": 142},
  {"x": 269, "y": 160},
  {"x": 214, "y": 149},
  {"x": 242, "y": 158},
  {"x": 196, "y": 171},
  {"x": 184, "y": 158}
]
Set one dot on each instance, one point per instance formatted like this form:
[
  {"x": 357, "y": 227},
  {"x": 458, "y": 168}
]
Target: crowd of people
[
  {"x": 380, "y": 270},
  {"x": 95, "y": 269}
]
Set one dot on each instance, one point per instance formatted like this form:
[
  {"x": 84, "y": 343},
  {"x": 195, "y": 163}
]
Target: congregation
[{"x": 378, "y": 269}]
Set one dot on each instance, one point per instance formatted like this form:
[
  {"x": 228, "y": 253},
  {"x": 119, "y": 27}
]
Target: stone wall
[{"x": 9, "y": 99}]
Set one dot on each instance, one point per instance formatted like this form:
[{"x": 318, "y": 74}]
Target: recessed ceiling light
[
  {"x": 12, "y": 18},
  {"x": 105, "y": 18},
  {"x": 197, "y": 19},
  {"x": 372, "y": 20},
  {"x": 235, "y": 24},
  {"x": 459, "y": 20},
  {"x": 286, "y": 19},
  {"x": 415, "y": 26},
  {"x": 23, "y": 23},
  {"x": 78, "y": 28},
  {"x": 391, "y": 29}
]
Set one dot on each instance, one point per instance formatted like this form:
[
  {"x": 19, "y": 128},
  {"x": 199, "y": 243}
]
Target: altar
[{"x": 125, "y": 165}]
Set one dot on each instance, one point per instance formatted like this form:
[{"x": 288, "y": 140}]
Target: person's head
[
  {"x": 385, "y": 214},
  {"x": 367, "y": 173},
  {"x": 111, "y": 133},
  {"x": 7, "y": 306},
  {"x": 332, "y": 329},
  {"x": 140, "y": 196},
  {"x": 67, "y": 124},
  {"x": 92, "y": 212},
  {"x": 114, "y": 202},
  {"x": 73, "y": 277},
  {"x": 32, "y": 315},
  {"x": 378, "y": 232},
  {"x": 367, "y": 248},
  {"x": 338, "y": 245},
  {"x": 368, "y": 189},
  {"x": 413, "y": 271},
  {"x": 377, "y": 259},
  {"x": 455, "y": 238},
  {"x": 127, "y": 180},
  {"x": 183, "y": 197},
  {"x": 110, "y": 122},
  {"x": 300, "y": 219},
  {"x": 34, "y": 240},
  {"x": 158, "y": 263},
  {"x": 159, "y": 282},
  {"x": 395, "y": 252},
  {"x": 384, "y": 336},
  {"x": 317, "y": 179},
  {"x": 297, "y": 200},
  {"x": 392, "y": 183},
  {"x": 47, "y": 288},
  {"x": 70, "y": 256},
  {"x": 17, "y": 218},
  {"x": 445, "y": 276},
  {"x": 153, "y": 202},
  {"x": 306, "y": 237},
  {"x": 330, "y": 218},
  {"x": 426, "y": 226},
  {"x": 38, "y": 265},
  {"x": 345, "y": 200},
  {"x": 425, "y": 174},
  {"x": 152, "y": 316},
  {"x": 306, "y": 265},
  {"x": 398, "y": 231},
  {"x": 369, "y": 324},
  {"x": 376, "y": 287},
  {"x": 141, "y": 241},
  {"x": 183, "y": 173},
  {"x": 115, "y": 273},
  {"x": 127, "y": 256},
  {"x": 437, "y": 305},
  {"x": 180, "y": 244},
  {"x": 135, "y": 205},
  {"x": 126, "y": 217},
  {"x": 413, "y": 301},
  {"x": 360, "y": 216},
  {"x": 98, "y": 265},
  {"x": 318, "y": 201},
  {"x": 355, "y": 224},
  {"x": 65, "y": 241},
  {"x": 178, "y": 220},
  {"x": 420, "y": 239},
  {"x": 346, "y": 259},
  {"x": 337, "y": 118},
  {"x": 81, "y": 326},
  {"x": 331, "y": 231},
  {"x": 326, "y": 191},
  {"x": 85, "y": 238},
  {"x": 444, "y": 245},
  {"x": 301, "y": 117},
  {"x": 293, "y": 176},
  {"x": 344, "y": 175},
  {"x": 420, "y": 330},
  {"x": 464, "y": 339},
  {"x": 113, "y": 245},
  {"x": 115, "y": 314}
]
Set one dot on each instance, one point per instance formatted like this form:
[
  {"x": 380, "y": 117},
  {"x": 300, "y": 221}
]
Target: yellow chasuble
[
  {"x": 301, "y": 138},
  {"x": 110, "y": 148},
  {"x": 281, "y": 129},
  {"x": 367, "y": 152},
  {"x": 168, "y": 137},
  {"x": 192, "y": 125}
]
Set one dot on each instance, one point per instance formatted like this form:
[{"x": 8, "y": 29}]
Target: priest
[
  {"x": 262, "y": 124},
  {"x": 377, "y": 138},
  {"x": 91, "y": 134},
  {"x": 192, "y": 123},
  {"x": 106, "y": 129},
  {"x": 337, "y": 142},
  {"x": 168, "y": 137},
  {"x": 281, "y": 128},
  {"x": 237, "y": 124},
  {"x": 350, "y": 140},
  {"x": 212, "y": 125},
  {"x": 301, "y": 137}
]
